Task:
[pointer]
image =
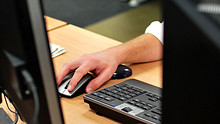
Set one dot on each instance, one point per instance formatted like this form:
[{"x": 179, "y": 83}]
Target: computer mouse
[
  {"x": 78, "y": 90},
  {"x": 122, "y": 72}
]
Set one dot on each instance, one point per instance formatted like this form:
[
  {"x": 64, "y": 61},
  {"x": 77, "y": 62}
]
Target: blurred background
[{"x": 121, "y": 20}]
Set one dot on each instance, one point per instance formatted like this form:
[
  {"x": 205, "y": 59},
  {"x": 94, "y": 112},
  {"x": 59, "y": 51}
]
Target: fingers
[
  {"x": 98, "y": 81},
  {"x": 67, "y": 68},
  {"x": 78, "y": 74},
  {"x": 93, "y": 62}
]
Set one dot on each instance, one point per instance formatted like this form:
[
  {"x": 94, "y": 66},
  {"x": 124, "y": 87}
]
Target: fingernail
[
  {"x": 89, "y": 90},
  {"x": 69, "y": 87}
]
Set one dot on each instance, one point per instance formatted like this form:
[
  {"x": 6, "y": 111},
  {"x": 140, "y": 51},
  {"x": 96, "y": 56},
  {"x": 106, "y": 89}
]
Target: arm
[{"x": 144, "y": 48}]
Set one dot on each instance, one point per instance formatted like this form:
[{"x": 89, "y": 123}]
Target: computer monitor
[
  {"x": 191, "y": 83},
  {"x": 26, "y": 68}
]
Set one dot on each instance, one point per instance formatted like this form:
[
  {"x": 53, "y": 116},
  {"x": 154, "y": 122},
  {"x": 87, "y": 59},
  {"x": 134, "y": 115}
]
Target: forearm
[{"x": 144, "y": 48}]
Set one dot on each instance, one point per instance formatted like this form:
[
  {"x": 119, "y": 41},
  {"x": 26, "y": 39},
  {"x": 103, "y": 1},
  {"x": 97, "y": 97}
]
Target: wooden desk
[
  {"x": 52, "y": 23},
  {"x": 77, "y": 42}
]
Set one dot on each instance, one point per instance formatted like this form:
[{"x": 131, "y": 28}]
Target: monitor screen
[{"x": 26, "y": 69}]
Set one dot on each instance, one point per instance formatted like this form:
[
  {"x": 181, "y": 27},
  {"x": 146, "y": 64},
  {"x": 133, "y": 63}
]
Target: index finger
[
  {"x": 78, "y": 74},
  {"x": 67, "y": 68}
]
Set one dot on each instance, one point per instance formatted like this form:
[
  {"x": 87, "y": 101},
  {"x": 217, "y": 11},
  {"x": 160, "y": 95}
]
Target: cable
[
  {"x": 31, "y": 85},
  {"x": 16, "y": 118},
  {"x": 16, "y": 113},
  {"x": 8, "y": 105}
]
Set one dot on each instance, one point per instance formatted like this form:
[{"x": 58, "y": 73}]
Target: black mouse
[
  {"x": 78, "y": 90},
  {"x": 122, "y": 72}
]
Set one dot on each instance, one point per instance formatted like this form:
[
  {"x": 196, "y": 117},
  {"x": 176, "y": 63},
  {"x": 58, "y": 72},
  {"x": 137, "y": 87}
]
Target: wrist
[{"x": 116, "y": 53}]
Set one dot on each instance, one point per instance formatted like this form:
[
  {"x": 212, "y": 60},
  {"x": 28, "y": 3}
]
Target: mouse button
[
  {"x": 127, "y": 69},
  {"x": 63, "y": 85},
  {"x": 117, "y": 76},
  {"x": 70, "y": 75},
  {"x": 122, "y": 72},
  {"x": 128, "y": 72},
  {"x": 123, "y": 68},
  {"x": 61, "y": 89},
  {"x": 67, "y": 77},
  {"x": 65, "y": 80},
  {"x": 67, "y": 93},
  {"x": 84, "y": 81}
]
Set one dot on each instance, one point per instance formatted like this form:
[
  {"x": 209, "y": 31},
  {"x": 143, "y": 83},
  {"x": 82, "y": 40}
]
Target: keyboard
[{"x": 131, "y": 101}]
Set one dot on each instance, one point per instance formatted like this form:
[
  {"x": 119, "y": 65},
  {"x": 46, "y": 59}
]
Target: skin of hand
[
  {"x": 144, "y": 48},
  {"x": 103, "y": 64}
]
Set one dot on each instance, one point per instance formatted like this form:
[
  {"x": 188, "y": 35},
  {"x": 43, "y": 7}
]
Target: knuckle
[
  {"x": 89, "y": 57},
  {"x": 96, "y": 84},
  {"x": 79, "y": 71}
]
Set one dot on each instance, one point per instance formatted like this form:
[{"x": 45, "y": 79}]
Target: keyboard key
[
  {"x": 127, "y": 109},
  {"x": 131, "y": 102},
  {"x": 103, "y": 91},
  {"x": 150, "y": 105},
  {"x": 153, "y": 99},
  {"x": 127, "y": 96},
  {"x": 110, "y": 89},
  {"x": 146, "y": 107},
  {"x": 130, "y": 90},
  {"x": 95, "y": 94},
  {"x": 137, "y": 89},
  {"x": 114, "y": 91},
  {"x": 138, "y": 93},
  {"x": 120, "y": 94},
  {"x": 144, "y": 91},
  {"x": 136, "y": 100},
  {"x": 157, "y": 97},
  {"x": 122, "y": 98},
  {"x": 157, "y": 112},
  {"x": 109, "y": 99},
  {"x": 115, "y": 96},
  {"x": 100, "y": 96},
  {"x": 125, "y": 92},
  {"x": 150, "y": 94},
  {"x": 109, "y": 93},
  {"x": 147, "y": 114},
  {"x": 155, "y": 117},
  {"x": 124, "y": 88},
  {"x": 137, "y": 104},
  {"x": 143, "y": 103},
  {"x": 119, "y": 90}
]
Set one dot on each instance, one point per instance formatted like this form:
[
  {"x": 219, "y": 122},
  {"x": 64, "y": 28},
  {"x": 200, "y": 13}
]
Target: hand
[{"x": 103, "y": 64}]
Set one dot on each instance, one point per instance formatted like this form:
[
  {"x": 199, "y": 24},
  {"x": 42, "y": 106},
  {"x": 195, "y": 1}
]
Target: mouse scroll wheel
[{"x": 127, "y": 69}]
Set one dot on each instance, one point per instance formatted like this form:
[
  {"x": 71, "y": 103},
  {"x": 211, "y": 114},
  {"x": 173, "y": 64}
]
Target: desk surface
[
  {"x": 77, "y": 42},
  {"x": 52, "y": 23}
]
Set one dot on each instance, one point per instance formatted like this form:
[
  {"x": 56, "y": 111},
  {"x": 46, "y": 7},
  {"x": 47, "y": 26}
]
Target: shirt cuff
[{"x": 156, "y": 29}]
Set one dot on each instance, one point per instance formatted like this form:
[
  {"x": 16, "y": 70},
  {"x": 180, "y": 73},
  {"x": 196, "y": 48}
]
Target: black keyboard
[{"x": 131, "y": 101}]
